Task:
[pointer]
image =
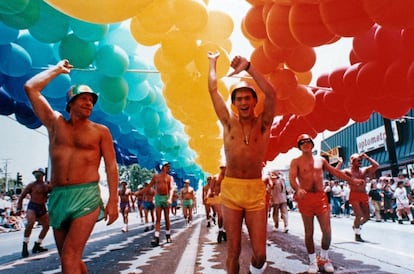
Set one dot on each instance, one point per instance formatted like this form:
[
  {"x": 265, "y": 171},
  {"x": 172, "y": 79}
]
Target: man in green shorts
[
  {"x": 164, "y": 189},
  {"x": 187, "y": 201},
  {"x": 76, "y": 146}
]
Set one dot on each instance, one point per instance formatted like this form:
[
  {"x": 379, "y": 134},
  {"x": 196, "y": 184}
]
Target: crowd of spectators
[
  {"x": 10, "y": 220},
  {"x": 383, "y": 200}
]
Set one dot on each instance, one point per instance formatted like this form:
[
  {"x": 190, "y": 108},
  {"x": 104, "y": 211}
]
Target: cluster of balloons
[
  {"x": 105, "y": 56},
  {"x": 149, "y": 109},
  {"x": 379, "y": 78}
]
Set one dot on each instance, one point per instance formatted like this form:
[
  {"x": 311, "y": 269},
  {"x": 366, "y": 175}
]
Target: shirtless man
[
  {"x": 164, "y": 189},
  {"x": 187, "y": 201},
  {"x": 246, "y": 138},
  {"x": 148, "y": 204},
  {"x": 215, "y": 201},
  {"x": 358, "y": 196},
  {"x": 124, "y": 204},
  {"x": 76, "y": 147},
  {"x": 36, "y": 210},
  {"x": 206, "y": 202},
  {"x": 306, "y": 178}
]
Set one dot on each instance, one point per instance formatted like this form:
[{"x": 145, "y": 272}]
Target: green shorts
[
  {"x": 188, "y": 203},
  {"x": 70, "y": 202},
  {"x": 161, "y": 201}
]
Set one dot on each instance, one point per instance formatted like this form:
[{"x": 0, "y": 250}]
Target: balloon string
[{"x": 93, "y": 69}]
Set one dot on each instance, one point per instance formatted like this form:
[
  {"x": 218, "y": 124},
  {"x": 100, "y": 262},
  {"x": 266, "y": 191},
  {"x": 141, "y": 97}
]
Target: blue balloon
[
  {"x": 8, "y": 34},
  {"x": 15, "y": 87},
  {"x": 42, "y": 54},
  {"x": 7, "y": 104},
  {"x": 15, "y": 61},
  {"x": 88, "y": 31},
  {"x": 51, "y": 26}
]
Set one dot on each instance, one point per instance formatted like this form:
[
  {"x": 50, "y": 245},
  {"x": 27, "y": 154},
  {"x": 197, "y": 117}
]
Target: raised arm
[
  {"x": 340, "y": 174},
  {"x": 239, "y": 64},
  {"x": 373, "y": 164},
  {"x": 218, "y": 101},
  {"x": 37, "y": 83}
]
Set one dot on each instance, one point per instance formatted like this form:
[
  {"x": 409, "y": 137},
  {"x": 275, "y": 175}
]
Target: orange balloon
[
  {"x": 345, "y": 18},
  {"x": 274, "y": 52},
  {"x": 301, "y": 59},
  {"x": 261, "y": 62},
  {"x": 277, "y": 26},
  {"x": 304, "y": 78},
  {"x": 306, "y": 25},
  {"x": 284, "y": 82},
  {"x": 254, "y": 23},
  {"x": 302, "y": 101}
]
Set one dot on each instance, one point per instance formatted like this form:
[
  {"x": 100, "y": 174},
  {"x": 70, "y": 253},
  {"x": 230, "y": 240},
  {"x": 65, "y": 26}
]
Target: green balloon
[{"x": 80, "y": 53}]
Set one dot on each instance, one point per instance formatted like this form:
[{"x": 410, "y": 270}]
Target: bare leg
[
  {"x": 256, "y": 222},
  {"x": 233, "y": 227}
]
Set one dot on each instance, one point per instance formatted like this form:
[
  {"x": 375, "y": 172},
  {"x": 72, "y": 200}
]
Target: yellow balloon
[
  {"x": 142, "y": 36},
  {"x": 202, "y": 62},
  {"x": 157, "y": 17},
  {"x": 190, "y": 15},
  {"x": 179, "y": 47},
  {"x": 103, "y": 11},
  {"x": 219, "y": 25}
]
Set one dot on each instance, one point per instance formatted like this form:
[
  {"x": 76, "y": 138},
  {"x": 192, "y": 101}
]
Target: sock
[
  {"x": 255, "y": 270},
  {"x": 312, "y": 258},
  {"x": 39, "y": 241},
  {"x": 324, "y": 254},
  {"x": 168, "y": 232},
  {"x": 157, "y": 234},
  {"x": 220, "y": 229},
  {"x": 26, "y": 240}
]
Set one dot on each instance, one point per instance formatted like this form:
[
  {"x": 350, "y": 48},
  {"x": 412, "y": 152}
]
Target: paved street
[{"x": 195, "y": 250}]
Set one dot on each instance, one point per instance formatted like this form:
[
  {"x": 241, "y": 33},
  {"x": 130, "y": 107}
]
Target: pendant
[{"x": 246, "y": 140}]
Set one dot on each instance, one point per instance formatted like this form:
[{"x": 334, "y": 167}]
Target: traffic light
[{"x": 19, "y": 179}]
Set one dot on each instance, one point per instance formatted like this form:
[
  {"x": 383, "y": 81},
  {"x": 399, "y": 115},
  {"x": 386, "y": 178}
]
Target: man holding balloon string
[
  {"x": 76, "y": 147},
  {"x": 246, "y": 137}
]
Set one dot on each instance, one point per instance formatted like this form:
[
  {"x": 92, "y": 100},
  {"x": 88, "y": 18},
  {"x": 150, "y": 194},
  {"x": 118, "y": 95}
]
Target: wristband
[{"x": 247, "y": 67}]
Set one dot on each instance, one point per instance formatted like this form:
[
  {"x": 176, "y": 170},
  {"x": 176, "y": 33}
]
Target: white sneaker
[
  {"x": 328, "y": 267},
  {"x": 313, "y": 268}
]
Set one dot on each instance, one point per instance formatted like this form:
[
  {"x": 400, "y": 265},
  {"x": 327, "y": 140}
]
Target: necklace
[{"x": 247, "y": 136}]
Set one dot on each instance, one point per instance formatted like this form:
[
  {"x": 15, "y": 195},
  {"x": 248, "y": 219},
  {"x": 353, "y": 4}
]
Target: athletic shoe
[
  {"x": 37, "y": 248},
  {"x": 313, "y": 268}
]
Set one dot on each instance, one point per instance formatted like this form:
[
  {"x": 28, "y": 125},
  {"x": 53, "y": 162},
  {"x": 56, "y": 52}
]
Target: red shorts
[
  {"x": 358, "y": 197},
  {"x": 313, "y": 204}
]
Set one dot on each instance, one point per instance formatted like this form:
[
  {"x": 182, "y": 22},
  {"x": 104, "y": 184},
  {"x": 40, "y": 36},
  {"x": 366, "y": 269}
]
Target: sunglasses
[{"x": 305, "y": 141}]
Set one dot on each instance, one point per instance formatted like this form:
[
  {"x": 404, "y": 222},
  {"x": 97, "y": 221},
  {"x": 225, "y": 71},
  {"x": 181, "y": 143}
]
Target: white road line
[{"x": 189, "y": 257}]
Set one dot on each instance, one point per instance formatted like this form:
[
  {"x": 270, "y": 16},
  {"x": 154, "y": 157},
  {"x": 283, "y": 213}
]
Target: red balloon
[
  {"x": 345, "y": 18},
  {"x": 396, "y": 80},
  {"x": 391, "y": 13},
  {"x": 407, "y": 40},
  {"x": 364, "y": 45},
  {"x": 336, "y": 79},
  {"x": 389, "y": 43},
  {"x": 306, "y": 25},
  {"x": 323, "y": 81},
  {"x": 370, "y": 79},
  {"x": 334, "y": 101},
  {"x": 393, "y": 108}
]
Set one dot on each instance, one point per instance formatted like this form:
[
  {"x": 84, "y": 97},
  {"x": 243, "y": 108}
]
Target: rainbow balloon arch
[{"x": 160, "y": 108}]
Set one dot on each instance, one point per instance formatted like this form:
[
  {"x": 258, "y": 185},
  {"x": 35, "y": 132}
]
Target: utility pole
[
  {"x": 390, "y": 143},
  {"x": 6, "y": 174}
]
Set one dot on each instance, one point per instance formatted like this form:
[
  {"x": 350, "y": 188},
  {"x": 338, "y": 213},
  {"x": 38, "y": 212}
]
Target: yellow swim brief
[
  {"x": 214, "y": 200},
  {"x": 243, "y": 194}
]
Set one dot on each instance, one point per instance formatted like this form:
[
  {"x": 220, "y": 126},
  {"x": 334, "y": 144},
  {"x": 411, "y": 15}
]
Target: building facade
[{"x": 370, "y": 137}]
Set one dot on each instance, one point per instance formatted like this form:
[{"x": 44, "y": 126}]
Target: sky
[{"x": 23, "y": 150}]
